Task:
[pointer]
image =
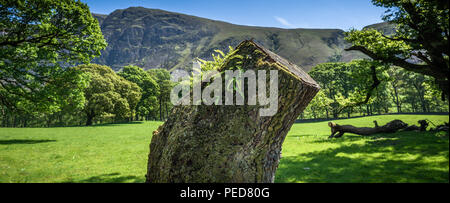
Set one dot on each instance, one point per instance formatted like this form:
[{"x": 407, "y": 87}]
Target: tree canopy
[
  {"x": 147, "y": 106},
  {"x": 162, "y": 77},
  {"x": 420, "y": 43},
  {"x": 39, "y": 40},
  {"x": 107, "y": 92},
  {"x": 346, "y": 86}
]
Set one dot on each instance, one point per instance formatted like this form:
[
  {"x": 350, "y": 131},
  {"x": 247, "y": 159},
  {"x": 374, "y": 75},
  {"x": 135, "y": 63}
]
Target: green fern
[{"x": 218, "y": 60}]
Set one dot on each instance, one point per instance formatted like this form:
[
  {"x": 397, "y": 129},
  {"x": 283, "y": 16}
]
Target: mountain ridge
[{"x": 154, "y": 38}]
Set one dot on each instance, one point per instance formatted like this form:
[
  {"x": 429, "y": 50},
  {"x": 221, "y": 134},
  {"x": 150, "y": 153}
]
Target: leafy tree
[
  {"x": 162, "y": 77},
  {"x": 346, "y": 84},
  {"x": 345, "y": 87},
  {"x": 420, "y": 43},
  {"x": 318, "y": 105},
  {"x": 324, "y": 75},
  {"x": 422, "y": 94},
  {"x": 38, "y": 40},
  {"x": 432, "y": 97},
  {"x": 148, "y": 104},
  {"x": 107, "y": 92},
  {"x": 370, "y": 79},
  {"x": 397, "y": 85},
  {"x": 382, "y": 101}
]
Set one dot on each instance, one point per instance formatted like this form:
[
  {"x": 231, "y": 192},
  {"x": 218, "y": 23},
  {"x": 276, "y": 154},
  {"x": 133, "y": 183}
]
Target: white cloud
[{"x": 284, "y": 22}]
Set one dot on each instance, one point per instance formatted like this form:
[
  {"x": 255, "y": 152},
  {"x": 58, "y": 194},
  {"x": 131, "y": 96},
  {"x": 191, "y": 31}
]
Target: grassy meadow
[{"x": 118, "y": 153}]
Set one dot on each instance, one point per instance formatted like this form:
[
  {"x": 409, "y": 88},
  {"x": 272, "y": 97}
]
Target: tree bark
[
  {"x": 396, "y": 99},
  {"x": 338, "y": 131},
  {"x": 89, "y": 119},
  {"x": 160, "y": 107},
  {"x": 230, "y": 143}
]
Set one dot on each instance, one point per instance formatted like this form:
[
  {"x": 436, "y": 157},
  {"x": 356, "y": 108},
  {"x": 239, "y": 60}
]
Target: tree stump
[{"x": 231, "y": 143}]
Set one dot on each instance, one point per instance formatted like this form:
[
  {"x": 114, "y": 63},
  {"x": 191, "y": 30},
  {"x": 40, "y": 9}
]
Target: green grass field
[{"x": 118, "y": 153}]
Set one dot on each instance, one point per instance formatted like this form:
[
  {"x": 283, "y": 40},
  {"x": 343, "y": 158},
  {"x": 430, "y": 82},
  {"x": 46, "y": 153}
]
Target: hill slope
[{"x": 152, "y": 38}]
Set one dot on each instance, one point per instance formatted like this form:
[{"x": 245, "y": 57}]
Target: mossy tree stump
[{"x": 232, "y": 144}]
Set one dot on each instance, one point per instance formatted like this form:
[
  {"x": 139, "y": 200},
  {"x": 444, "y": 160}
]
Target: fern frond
[{"x": 220, "y": 52}]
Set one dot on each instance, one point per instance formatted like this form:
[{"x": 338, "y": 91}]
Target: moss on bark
[{"x": 199, "y": 144}]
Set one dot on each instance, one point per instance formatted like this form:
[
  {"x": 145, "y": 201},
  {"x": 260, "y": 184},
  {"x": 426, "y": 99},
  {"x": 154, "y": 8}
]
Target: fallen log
[
  {"x": 423, "y": 126},
  {"x": 338, "y": 131},
  {"x": 444, "y": 127},
  {"x": 412, "y": 128}
]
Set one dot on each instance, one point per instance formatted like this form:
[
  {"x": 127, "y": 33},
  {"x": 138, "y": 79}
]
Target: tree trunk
[
  {"x": 166, "y": 113},
  {"x": 89, "y": 119},
  {"x": 25, "y": 122},
  {"x": 49, "y": 121},
  {"x": 338, "y": 131},
  {"x": 14, "y": 121},
  {"x": 160, "y": 107},
  {"x": 4, "y": 117},
  {"x": 397, "y": 100},
  {"x": 367, "y": 109},
  {"x": 230, "y": 143}
]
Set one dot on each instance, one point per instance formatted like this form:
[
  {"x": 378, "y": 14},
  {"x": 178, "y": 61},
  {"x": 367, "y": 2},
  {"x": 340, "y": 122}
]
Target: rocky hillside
[
  {"x": 152, "y": 38},
  {"x": 385, "y": 28}
]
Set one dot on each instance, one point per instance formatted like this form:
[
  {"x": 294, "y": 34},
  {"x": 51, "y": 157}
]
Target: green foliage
[
  {"x": 346, "y": 84},
  {"x": 218, "y": 60},
  {"x": 148, "y": 104},
  {"x": 343, "y": 85},
  {"x": 376, "y": 42},
  {"x": 39, "y": 40},
  {"x": 108, "y": 93},
  {"x": 319, "y": 105},
  {"x": 162, "y": 78},
  {"x": 420, "y": 43}
]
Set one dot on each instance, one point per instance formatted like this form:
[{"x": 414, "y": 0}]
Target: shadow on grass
[
  {"x": 97, "y": 125},
  {"x": 16, "y": 141},
  {"x": 117, "y": 124},
  {"x": 400, "y": 157},
  {"x": 110, "y": 178}
]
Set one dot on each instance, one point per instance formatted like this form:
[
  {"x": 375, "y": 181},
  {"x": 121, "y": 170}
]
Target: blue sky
[{"x": 342, "y": 14}]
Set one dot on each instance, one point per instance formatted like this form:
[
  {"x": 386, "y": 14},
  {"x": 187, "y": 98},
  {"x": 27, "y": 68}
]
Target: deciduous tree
[
  {"x": 38, "y": 41},
  {"x": 420, "y": 43},
  {"x": 108, "y": 93},
  {"x": 148, "y": 104}
]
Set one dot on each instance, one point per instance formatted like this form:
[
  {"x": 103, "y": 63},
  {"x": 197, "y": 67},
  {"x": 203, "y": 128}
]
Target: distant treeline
[
  {"x": 134, "y": 94},
  {"x": 346, "y": 85},
  {"x": 129, "y": 95},
  {"x": 313, "y": 120}
]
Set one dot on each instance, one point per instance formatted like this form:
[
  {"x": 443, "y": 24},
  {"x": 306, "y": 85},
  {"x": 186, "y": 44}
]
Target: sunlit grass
[
  {"x": 309, "y": 156},
  {"x": 118, "y": 153},
  {"x": 108, "y": 153}
]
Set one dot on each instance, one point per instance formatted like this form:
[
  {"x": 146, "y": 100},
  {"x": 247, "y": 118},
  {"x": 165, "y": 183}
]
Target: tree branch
[
  {"x": 374, "y": 85},
  {"x": 400, "y": 39},
  {"x": 31, "y": 40},
  {"x": 422, "y": 69}
]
